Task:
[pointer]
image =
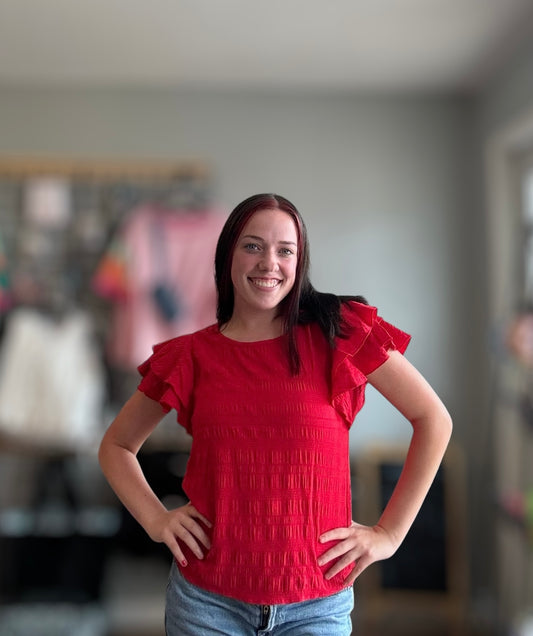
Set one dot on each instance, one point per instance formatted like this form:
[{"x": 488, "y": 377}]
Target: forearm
[
  {"x": 124, "y": 474},
  {"x": 428, "y": 445}
]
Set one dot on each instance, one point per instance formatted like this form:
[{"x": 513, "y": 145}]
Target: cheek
[
  {"x": 295, "y": 266},
  {"x": 240, "y": 265},
  {"x": 291, "y": 273}
]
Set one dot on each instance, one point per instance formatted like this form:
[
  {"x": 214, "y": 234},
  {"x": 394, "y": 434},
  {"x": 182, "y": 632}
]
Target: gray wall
[
  {"x": 384, "y": 183},
  {"x": 509, "y": 94},
  {"x": 502, "y": 109}
]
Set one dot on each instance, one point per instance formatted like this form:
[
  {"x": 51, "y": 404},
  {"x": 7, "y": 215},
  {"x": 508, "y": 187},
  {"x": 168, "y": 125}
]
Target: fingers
[
  {"x": 354, "y": 547},
  {"x": 195, "y": 513},
  {"x": 335, "y": 535},
  {"x": 184, "y": 526},
  {"x": 174, "y": 547},
  {"x": 349, "y": 580},
  {"x": 346, "y": 540},
  {"x": 190, "y": 532},
  {"x": 334, "y": 552},
  {"x": 346, "y": 559}
]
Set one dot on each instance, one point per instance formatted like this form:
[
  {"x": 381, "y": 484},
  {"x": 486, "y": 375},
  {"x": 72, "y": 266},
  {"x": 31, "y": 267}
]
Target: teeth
[{"x": 260, "y": 282}]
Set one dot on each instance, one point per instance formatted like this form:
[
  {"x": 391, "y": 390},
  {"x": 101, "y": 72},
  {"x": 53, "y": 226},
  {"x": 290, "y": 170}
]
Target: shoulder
[
  {"x": 187, "y": 341},
  {"x": 174, "y": 345},
  {"x": 357, "y": 309},
  {"x": 368, "y": 337},
  {"x": 357, "y": 317},
  {"x": 178, "y": 350}
]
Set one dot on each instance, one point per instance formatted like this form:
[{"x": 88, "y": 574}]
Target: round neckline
[{"x": 245, "y": 342}]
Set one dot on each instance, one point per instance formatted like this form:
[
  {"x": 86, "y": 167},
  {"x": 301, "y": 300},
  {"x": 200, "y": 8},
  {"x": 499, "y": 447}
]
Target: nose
[{"x": 269, "y": 261}]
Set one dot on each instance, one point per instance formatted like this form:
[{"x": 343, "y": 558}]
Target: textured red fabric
[{"x": 269, "y": 464}]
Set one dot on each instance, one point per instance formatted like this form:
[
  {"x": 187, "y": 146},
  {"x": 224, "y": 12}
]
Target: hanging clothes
[
  {"x": 159, "y": 275},
  {"x": 51, "y": 379}
]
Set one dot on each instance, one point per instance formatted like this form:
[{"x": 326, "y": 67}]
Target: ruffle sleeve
[
  {"x": 167, "y": 377},
  {"x": 368, "y": 340}
]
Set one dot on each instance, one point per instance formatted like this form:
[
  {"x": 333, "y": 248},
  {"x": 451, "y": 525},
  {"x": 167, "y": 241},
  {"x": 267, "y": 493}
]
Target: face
[{"x": 263, "y": 268}]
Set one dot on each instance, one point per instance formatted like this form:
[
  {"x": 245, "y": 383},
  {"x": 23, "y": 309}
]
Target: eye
[
  {"x": 286, "y": 251},
  {"x": 251, "y": 247}
]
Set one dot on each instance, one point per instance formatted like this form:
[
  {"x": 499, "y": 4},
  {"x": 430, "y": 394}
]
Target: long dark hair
[{"x": 303, "y": 304}]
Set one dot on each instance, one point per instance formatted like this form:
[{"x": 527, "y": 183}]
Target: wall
[
  {"x": 505, "y": 120},
  {"x": 509, "y": 93},
  {"x": 385, "y": 185}
]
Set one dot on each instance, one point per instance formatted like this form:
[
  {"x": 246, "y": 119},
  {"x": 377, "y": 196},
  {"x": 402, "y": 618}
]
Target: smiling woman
[
  {"x": 269, "y": 393},
  {"x": 263, "y": 272},
  {"x": 290, "y": 310}
]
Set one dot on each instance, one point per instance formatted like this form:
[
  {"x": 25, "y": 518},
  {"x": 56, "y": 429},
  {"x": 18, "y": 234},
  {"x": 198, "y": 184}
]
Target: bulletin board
[
  {"x": 90, "y": 198},
  {"x": 59, "y": 215}
]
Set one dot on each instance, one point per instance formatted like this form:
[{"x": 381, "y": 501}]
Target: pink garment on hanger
[{"x": 185, "y": 263}]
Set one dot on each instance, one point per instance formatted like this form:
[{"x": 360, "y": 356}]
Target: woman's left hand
[{"x": 359, "y": 545}]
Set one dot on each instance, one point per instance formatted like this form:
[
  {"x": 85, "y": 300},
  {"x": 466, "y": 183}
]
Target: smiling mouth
[{"x": 265, "y": 283}]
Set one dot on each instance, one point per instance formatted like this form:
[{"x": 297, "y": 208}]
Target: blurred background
[{"x": 403, "y": 131}]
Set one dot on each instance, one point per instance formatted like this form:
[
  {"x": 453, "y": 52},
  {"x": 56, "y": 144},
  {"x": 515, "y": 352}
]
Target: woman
[{"x": 267, "y": 544}]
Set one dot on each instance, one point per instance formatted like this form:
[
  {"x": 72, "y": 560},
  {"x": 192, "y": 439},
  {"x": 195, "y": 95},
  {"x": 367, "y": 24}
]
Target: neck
[{"x": 253, "y": 328}]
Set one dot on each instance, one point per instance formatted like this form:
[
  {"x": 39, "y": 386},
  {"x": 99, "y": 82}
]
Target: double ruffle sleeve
[
  {"x": 168, "y": 377},
  {"x": 366, "y": 345}
]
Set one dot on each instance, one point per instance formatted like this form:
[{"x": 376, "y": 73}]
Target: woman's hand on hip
[
  {"x": 358, "y": 545},
  {"x": 183, "y": 524}
]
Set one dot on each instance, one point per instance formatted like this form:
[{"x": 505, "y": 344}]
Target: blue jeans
[{"x": 191, "y": 611}]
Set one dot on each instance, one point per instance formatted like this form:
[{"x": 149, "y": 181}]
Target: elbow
[
  {"x": 447, "y": 427},
  {"x": 102, "y": 452},
  {"x": 105, "y": 451},
  {"x": 443, "y": 427},
  {"x": 438, "y": 424},
  {"x": 449, "y": 422},
  {"x": 446, "y": 419}
]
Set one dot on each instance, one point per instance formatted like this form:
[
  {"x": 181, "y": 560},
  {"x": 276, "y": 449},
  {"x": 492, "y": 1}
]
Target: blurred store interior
[{"x": 403, "y": 131}]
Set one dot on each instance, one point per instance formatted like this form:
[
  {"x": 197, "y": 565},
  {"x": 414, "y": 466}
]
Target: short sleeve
[
  {"x": 366, "y": 345},
  {"x": 167, "y": 377}
]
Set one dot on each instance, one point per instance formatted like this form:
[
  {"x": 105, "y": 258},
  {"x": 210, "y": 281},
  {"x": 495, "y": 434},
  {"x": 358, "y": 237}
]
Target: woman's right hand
[{"x": 181, "y": 524}]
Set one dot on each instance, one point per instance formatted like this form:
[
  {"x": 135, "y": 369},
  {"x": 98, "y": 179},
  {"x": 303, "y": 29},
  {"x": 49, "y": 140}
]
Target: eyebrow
[{"x": 259, "y": 238}]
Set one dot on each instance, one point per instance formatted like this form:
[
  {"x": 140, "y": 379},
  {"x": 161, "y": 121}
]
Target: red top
[{"x": 269, "y": 463}]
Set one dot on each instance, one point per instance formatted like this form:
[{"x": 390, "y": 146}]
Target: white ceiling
[{"x": 328, "y": 44}]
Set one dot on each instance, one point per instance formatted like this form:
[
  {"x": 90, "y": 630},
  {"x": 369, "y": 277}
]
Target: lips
[{"x": 265, "y": 283}]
